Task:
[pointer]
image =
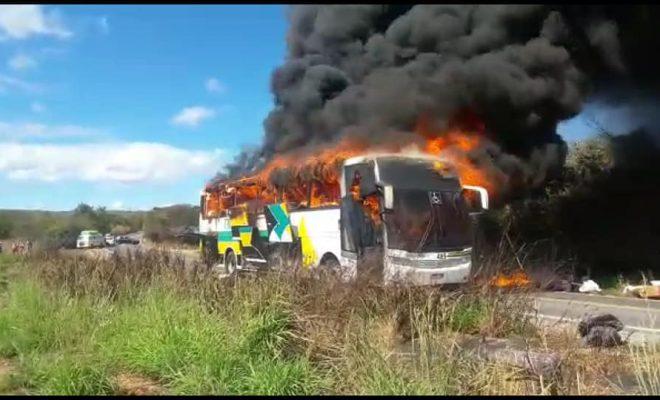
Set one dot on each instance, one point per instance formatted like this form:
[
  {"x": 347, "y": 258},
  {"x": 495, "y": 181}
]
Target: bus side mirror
[
  {"x": 476, "y": 198},
  {"x": 388, "y": 198}
]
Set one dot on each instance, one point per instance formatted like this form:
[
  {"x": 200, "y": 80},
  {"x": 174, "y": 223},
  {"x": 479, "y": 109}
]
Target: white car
[
  {"x": 109, "y": 239},
  {"x": 88, "y": 239}
]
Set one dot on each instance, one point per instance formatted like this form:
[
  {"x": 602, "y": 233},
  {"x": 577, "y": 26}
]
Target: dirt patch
[
  {"x": 6, "y": 371},
  {"x": 6, "y": 367},
  {"x": 136, "y": 385}
]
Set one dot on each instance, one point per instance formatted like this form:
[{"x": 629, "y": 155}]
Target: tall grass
[
  {"x": 73, "y": 325},
  {"x": 646, "y": 366}
]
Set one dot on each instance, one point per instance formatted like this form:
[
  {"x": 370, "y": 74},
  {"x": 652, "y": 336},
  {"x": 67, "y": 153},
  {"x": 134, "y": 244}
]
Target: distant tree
[
  {"x": 83, "y": 208},
  {"x": 120, "y": 229},
  {"x": 181, "y": 215},
  {"x": 135, "y": 221},
  {"x": 102, "y": 220},
  {"x": 156, "y": 227},
  {"x": 65, "y": 232}
]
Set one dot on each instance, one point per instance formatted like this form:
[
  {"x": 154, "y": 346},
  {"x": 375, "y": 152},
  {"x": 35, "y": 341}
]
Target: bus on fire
[{"x": 407, "y": 215}]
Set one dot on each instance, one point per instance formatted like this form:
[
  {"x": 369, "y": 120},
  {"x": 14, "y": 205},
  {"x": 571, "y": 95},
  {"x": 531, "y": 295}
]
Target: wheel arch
[{"x": 328, "y": 256}]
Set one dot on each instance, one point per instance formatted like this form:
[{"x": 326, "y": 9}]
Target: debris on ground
[
  {"x": 561, "y": 285},
  {"x": 135, "y": 385},
  {"x": 589, "y": 286},
  {"x": 644, "y": 291},
  {"x": 533, "y": 362},
  {"x": 600, "y": 330}
]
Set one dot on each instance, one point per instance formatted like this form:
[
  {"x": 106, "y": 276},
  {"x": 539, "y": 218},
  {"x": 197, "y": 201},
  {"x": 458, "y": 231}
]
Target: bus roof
[
  {"x": 375, "y": 156},
  {"x": 252, "y": 180}
]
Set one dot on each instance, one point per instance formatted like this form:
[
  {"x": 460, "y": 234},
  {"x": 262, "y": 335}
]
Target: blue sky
[
  {"x": 133, "y": 106},
  {"x": 87, "y": 85}
]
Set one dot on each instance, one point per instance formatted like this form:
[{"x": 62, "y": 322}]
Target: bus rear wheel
[
  {"x": 230, "y": 263},
  {"x": 210, "y": 253},
  {"x": 329, "y": 265}
]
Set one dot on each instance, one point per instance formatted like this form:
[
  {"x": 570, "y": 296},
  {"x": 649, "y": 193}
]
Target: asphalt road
[{"x": 640, "y": 317}]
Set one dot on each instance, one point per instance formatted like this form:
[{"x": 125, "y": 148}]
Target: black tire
[
  {"x": 231, "y": 263},
  {"x": 210, "y": 253},
  {"x": 329, "y": 265},
  {"x": 294, "y": 256},
  {"x": 276, "y": 260},
  {"x": 285, "y": 258},
  {"x": 329, "y": 261}
]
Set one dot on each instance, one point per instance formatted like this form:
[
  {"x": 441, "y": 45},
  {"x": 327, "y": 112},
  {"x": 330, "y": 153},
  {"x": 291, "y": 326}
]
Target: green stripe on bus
[{"x": 225, "y": 236}]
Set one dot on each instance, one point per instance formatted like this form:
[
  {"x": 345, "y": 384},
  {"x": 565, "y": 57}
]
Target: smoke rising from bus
[{"x": 391, "y": 75}]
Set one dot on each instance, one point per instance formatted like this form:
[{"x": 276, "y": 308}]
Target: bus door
[{"x": 361, "y": 235}]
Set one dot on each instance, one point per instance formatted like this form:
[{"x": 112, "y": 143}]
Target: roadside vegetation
[
  {"x": 144, "y": 325},
  {"x": 52, "y": 229},
  {"x": 597, "y": 217}
]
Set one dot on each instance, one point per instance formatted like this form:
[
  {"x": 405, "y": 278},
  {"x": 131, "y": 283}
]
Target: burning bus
[{"x": 406, "y": 217}]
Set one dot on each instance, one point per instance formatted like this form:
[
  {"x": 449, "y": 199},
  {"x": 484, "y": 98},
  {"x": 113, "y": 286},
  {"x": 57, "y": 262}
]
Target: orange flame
[
  {"x": 516, "y": 280},
  {"x": 457, "y": 145},
  {"x": 312, "y": 180}
]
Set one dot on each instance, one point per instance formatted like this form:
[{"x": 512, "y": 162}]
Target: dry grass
[
  {"x": 7, "y": 369},
  {"x": 626, "y": 369},
  {"x": 646, "y": 367},
  {"x": 136, "y": 385},
  {"x": 147, "y": 317}
]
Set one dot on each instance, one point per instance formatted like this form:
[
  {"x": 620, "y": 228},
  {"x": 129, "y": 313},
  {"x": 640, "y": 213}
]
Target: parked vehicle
[
  {"x": 109, "y": 239},
  {"x": 126, "y": 240},
  {"x": 90, "y": 239}
]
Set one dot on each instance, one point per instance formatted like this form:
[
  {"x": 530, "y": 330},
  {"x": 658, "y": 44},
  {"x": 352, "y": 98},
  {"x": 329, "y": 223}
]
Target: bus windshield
[{"x": 428, "y": 221}]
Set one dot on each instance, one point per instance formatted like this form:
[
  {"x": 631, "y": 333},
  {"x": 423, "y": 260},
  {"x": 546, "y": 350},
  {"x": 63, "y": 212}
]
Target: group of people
[{"x": 20, "y": 247}]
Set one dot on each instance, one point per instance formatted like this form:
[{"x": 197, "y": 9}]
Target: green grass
[
  {"x": 610, "y": 285},
  {"x": 75, "y": 346},
  {"x": 469, "y": 316}
]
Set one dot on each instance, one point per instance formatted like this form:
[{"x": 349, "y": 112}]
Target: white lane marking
[
  {"x": 631, "y": 327},
  {"x": 600, "y": 304}
]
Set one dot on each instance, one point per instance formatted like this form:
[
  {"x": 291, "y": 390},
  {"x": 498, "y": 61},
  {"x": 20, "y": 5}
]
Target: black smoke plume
[{"x": 373, "y": 70}]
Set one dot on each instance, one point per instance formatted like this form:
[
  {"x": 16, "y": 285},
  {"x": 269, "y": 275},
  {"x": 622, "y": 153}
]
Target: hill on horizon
[{"x": 40, "y": 224}]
